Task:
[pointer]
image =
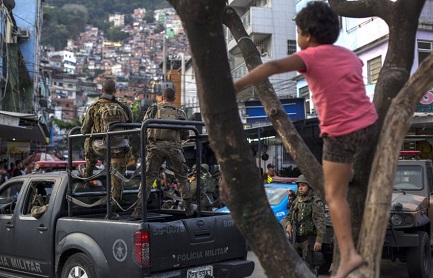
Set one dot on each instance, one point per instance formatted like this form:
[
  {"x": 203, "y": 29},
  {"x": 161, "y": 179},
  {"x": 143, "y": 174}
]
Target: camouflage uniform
[
  {"x": 308, "y": 214},
  {"x": 207, "y": 186},
  {"x": 165, "y": 145},
  {"x": 119, "y": 158}
]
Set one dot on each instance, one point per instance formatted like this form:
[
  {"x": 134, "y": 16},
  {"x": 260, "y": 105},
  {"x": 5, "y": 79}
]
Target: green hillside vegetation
[{"x": 65, "y": 19}]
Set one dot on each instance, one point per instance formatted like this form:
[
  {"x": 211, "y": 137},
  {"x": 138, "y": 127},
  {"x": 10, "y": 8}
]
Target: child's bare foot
[{"x": 349, "y": 266}]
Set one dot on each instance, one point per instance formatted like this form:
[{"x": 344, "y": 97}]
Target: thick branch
[
  {"x": 356, "y": 9},
  {"x": 293, "y": 143},
  {"x": 396, "y": 125}
]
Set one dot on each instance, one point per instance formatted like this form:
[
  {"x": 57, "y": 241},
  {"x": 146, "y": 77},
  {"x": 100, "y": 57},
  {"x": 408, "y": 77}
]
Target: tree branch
[
  {"x": 290, "y": 138},
  {"x": 381, "y": 181}
]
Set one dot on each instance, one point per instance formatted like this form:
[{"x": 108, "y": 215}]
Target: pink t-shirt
[{"x": 334, "y": 76}]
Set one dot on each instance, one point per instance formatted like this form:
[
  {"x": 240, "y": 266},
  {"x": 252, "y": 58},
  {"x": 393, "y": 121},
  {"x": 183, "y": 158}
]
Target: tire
[
  {"x": 419, "y": 257},
  {"x": 79, "y": 266}
]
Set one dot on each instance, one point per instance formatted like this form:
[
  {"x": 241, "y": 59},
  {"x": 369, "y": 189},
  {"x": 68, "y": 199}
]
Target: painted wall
[{"x": 27, "y": 16}]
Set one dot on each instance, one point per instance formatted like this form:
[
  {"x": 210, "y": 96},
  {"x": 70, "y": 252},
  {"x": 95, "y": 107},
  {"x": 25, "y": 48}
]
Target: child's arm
[{"x": 263, "y": 71}]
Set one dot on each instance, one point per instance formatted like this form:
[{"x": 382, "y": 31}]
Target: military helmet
[
  {"x": 203, "y": 166},
  {"x": 302, "y": 179}
]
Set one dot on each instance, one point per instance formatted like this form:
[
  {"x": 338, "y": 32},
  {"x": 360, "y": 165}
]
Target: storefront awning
[{"x": 21, "y": 127}]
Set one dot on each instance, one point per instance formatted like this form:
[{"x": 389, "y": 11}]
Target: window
[
  {"x": 291, "y": 47},
  {"x": 39, "y": 196},
  {"x": 424, "y": 49},
  {"x": 9, "y": 197},
  {"x": 373, "y": 66}
]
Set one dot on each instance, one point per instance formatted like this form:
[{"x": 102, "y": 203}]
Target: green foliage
[
  {"x": 66, "y": 22},
  {"x": 66, "y": 125},
  {"x": 116, "y": 34},
  {"x": 136, "y": 111}
]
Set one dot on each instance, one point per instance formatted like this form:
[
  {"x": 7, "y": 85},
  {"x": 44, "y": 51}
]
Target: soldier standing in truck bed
[{"x": 165, "y": 145}]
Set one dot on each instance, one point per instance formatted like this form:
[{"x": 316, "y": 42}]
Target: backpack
[
  {"x": 108, "y": 113},
  {"x": 166, "y": 111}
]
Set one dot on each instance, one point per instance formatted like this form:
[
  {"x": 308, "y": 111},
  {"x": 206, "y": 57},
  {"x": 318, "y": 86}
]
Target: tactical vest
[
  {"x": 207, "y": 183},
  {"x": 107, "y": 113},
  {"x": 303, "y": 218},
  {"x": 165, "y": 111}
]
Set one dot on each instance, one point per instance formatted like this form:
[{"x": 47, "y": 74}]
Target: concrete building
[
  {"x": 23, "y": 94},
  {"x": 270, "y": 26}
]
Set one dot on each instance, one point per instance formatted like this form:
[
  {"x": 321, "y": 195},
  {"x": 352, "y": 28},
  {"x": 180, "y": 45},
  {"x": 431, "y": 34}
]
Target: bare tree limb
[
  {"x": 293, "y": 143},
  {"x": 378, "y": 205}
]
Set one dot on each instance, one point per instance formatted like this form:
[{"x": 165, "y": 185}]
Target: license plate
[{"x": 200, "y": 272}]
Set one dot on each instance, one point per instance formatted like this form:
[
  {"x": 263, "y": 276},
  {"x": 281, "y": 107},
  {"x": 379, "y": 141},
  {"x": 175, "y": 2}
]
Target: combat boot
[
  {"x": 114, "y": 215},
  {"x": 187, "y": 205}
]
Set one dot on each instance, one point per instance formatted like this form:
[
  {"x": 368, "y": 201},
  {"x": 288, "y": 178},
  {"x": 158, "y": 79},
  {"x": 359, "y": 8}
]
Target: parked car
[{"x": 277, "y": 197}]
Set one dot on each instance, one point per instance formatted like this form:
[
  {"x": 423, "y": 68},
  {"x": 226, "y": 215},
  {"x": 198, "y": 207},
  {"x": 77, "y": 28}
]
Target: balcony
[
  {"x": 258, "y": 20},
  {"x": 239, "y": 3}
]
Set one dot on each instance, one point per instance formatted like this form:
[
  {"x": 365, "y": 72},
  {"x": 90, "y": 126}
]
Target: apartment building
[{"x": 23, "y": 113}]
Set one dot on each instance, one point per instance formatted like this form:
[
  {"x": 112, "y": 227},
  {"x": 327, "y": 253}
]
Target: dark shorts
[{"x": 342, "y": 149}]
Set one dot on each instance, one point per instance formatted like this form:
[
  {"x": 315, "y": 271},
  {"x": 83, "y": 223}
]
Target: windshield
[
  {"x": 408, "y": 177},
  {"x": 275, "y": 195}
]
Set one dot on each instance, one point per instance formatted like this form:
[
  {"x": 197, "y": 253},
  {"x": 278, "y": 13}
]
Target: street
[{"x": 388, "y": 269}]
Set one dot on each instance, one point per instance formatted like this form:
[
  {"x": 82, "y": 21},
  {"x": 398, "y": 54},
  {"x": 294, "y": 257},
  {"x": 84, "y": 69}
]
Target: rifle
[{"x": 295, "y": 225}]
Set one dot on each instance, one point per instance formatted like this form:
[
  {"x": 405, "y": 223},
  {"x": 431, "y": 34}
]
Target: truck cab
[{"x": 409, "y": 235}]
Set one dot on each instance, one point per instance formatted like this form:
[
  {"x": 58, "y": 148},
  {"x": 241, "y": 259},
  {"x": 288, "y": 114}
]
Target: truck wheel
[
  {"x": 419, "y": 257},
  {"x": 79, "y": 266}
]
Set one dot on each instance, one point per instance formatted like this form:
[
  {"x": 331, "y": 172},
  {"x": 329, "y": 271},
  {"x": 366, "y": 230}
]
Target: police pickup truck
[{"x": 70, "y": 237}]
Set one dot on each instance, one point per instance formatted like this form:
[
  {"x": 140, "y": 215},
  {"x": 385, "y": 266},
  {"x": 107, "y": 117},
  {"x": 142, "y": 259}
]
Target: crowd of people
[{"x": 13, "y": 170}]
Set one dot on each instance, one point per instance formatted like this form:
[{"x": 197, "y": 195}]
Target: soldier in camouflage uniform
[
  {"x": 93, "y": 123},
  {"x": 165, "y": 145},
  {"x": 207, "y": 186},
  {"x": 306, "y": 218}
]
